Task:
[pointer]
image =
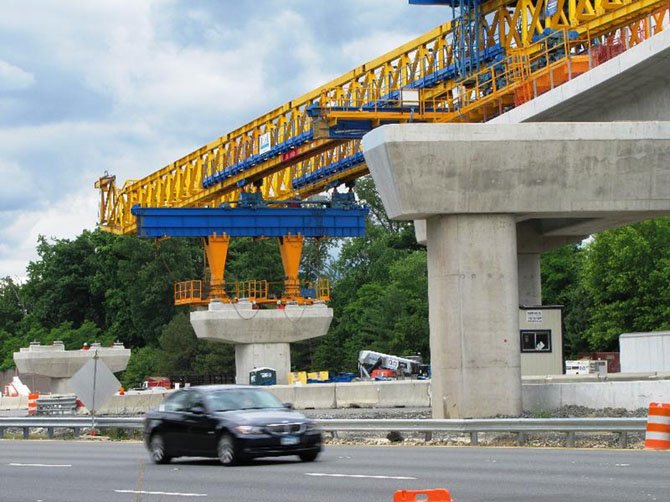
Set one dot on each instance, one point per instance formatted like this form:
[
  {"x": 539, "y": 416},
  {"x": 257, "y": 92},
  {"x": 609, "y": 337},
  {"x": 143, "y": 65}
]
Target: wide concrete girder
[{"x": 480, "y": 186}]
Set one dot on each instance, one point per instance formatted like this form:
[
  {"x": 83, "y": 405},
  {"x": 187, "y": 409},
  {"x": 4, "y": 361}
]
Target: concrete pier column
[
  {"x": 530, "y": 279},
  {"x": 474, "y": 327},
  {"x": 259, "y": 355}
]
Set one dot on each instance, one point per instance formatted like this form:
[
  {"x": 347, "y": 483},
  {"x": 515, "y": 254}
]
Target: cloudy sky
[{"x": 127, "y": 86}]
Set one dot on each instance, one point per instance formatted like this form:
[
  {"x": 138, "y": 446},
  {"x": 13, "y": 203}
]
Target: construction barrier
[
  {"x": 436, "y": 495},
  {"x": 57, "y": 405},
  {"x": 658, "y": 427},
  {"x": 32, "y": 403},
  {"x": 297, "y": 377}
]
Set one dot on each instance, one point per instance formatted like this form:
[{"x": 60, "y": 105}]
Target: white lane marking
[
  {"x": 323, "y": 474},
  {"x": 168, "y": 494},
  {"x": 13, "y": 464}
]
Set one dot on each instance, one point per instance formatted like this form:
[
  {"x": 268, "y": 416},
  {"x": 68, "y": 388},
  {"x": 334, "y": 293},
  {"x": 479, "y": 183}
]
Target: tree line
[{"x": 107, "y": 288}]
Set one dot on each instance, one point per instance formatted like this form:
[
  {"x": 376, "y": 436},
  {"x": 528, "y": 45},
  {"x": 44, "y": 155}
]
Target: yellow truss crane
[{"x": 302, "y": 147}]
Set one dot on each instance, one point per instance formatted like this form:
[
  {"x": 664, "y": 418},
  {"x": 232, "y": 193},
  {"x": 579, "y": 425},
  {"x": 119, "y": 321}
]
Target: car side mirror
[
  {"x": 198, "y": 410},
  {"x": 288, "y": 406}
]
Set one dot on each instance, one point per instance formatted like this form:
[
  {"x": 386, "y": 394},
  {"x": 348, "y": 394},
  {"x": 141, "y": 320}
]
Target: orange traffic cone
[{"x": 436, "y": 495}]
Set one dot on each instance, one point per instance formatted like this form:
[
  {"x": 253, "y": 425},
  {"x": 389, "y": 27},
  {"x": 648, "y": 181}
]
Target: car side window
[
  {"x": 196, "y": 400},
  {"x": 177, "y": 401}
]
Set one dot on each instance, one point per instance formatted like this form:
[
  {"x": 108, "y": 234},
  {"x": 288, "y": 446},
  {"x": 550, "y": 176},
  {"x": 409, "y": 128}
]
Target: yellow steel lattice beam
[{"x": 512, "y": 24}]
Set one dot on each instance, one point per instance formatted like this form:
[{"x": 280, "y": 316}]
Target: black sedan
[{"x": 231, "y": 422}]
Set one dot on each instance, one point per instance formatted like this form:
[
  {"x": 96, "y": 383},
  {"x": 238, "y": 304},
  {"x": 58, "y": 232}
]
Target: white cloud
[
  {"x": 65, "y": 219},
  {"x": 13, "y": 78},
  {"x": 15, "y": 186},
  {"x": 127, "y": 87}
]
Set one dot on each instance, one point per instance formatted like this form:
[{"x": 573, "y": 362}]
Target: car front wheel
[
  {"x": 226, "y": 450},
  {"x": 309, "y": 456},
  {"x": 158, "y": 449}
]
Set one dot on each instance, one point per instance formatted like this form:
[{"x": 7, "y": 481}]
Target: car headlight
[
  {"x": 312, "y": 427},
  {"x": 248, "y": 429}
]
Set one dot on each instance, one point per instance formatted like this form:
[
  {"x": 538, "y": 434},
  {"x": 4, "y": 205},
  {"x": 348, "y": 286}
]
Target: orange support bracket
[
  {"x": 216, "y": 248},
  {"x": 436, "y": 495},
  {"x": 290, "y": 248}
]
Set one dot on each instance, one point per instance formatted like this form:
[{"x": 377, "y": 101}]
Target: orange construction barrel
[
  {"x": 32, "y": 403},
  {"x": 658, "y": 427},
  {"x": 436, "y": 495}
]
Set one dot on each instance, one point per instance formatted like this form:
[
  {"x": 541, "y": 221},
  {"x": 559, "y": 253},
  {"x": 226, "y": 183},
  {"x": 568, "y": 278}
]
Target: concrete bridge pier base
[
  {"x": 472, "y": 282},
  {"x": 261, "y": 337}
]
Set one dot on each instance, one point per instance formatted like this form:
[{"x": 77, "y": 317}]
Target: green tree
[
  {"x": 627, "y": 276},
  {"x": 59, "y": 283},
  {"x": 12, "y": 306},
  {"x": 182, "y": 353},
  {"x": 561, "y": 285},
  {"x": 380, "y": 292},
  {"x": 143, "y": 362}
]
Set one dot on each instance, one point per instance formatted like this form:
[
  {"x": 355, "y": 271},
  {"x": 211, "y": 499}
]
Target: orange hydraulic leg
[
  {"x": 216, "y": 248},
  {"x": 290, "y": 247}
]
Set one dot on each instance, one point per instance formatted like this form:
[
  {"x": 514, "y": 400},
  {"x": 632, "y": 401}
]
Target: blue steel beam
[{"x": 250, "y": 222}]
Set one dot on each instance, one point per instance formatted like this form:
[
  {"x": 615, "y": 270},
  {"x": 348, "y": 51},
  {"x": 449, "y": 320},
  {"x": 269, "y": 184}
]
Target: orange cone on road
[
  {"x": 658, "y": 427},
  {"x": 436, "y": 495}
]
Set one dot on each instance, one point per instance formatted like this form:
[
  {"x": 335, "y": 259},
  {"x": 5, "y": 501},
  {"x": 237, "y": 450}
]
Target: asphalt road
[{"x": 121, "y": 471}]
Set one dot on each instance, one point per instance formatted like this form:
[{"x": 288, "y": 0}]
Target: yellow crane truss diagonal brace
[{"x": 512, "y": 24}]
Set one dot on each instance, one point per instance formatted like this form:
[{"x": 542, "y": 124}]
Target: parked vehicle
[
  {"x": 231, "y": 422},
  {"x": 152, "y": 382}
]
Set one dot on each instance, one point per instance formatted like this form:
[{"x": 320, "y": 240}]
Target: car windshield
[{"x": 242, "y": 399}]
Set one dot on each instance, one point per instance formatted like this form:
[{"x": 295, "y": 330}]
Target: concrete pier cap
[
  {"x": 58, "y": 364},
  {"x": 261, "y": 337},
  {"x": 490, "y": 193}
]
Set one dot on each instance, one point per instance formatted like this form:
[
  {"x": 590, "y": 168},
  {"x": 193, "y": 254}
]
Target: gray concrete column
[
  {"x": 249, "y": 356},
  {"x": 474, "y": 327},
  {"x": 530, "y": 279}
]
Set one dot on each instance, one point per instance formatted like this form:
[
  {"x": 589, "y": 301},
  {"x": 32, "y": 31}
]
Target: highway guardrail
[{"x": 472, "y": 427}]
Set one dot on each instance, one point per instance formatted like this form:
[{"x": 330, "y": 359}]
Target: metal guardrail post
[
  {"x": 474, "y": 438},
  {"x": 623, "y": 440},
  {"x": 570, "y": 439},
  {"x": 521, "y": 438},
  {"x": 26, "y": 433}
]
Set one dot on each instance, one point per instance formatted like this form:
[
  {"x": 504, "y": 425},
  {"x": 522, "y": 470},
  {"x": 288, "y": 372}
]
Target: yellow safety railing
[
  {"x": 189, "y": 293},
  {"x": 256, "y": 291}
]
